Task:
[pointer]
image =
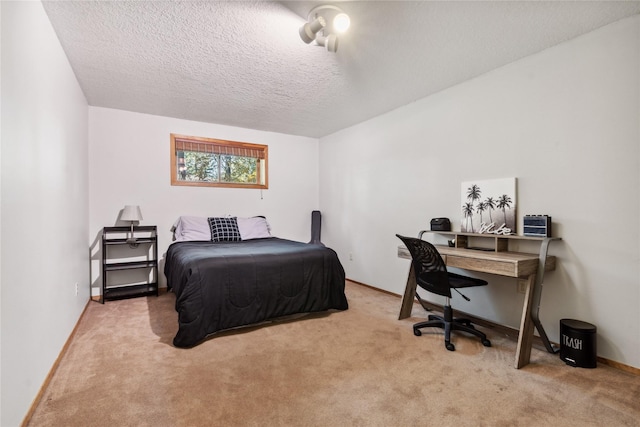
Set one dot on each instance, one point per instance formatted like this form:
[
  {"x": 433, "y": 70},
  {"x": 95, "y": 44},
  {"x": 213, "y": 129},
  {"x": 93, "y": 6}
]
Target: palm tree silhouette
[
  {"x": 504, "y": 203},
  {"x": 482, "y": 206},
  {"x": 467, "y": 210},
  {"x": 490, "y": 204},
  {"x": 473, "y": 193}
]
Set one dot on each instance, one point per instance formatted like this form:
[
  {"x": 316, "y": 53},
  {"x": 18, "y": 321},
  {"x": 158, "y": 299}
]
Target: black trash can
[{"x": 578, "y": 343}]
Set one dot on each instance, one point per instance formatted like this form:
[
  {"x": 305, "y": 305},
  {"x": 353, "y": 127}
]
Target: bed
[{"x": 225, "y": 284}]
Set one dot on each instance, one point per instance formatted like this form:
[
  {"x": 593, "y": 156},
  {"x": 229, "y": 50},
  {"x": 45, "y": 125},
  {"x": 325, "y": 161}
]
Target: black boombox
[
  {"x": 440, "y": 224},
  {"x": 537, "y": 225}
]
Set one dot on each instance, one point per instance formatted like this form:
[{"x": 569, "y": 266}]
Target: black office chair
[{"x": 432, "y": 275}]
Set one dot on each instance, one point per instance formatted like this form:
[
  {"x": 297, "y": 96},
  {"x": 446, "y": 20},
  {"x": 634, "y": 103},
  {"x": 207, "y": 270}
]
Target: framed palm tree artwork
[{"x": 489, "y": 206}]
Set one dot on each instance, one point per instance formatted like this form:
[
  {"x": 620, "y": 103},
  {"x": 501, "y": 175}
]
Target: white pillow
[
  {"x": 253, "y": 228},
  {"x": 192, "y": 228}
]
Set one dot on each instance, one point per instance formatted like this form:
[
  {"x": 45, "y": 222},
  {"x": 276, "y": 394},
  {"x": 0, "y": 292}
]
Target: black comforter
[{"x": 223, "y": 285}]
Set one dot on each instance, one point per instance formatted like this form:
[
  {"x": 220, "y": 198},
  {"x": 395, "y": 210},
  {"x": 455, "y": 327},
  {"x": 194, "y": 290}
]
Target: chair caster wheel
[
  {"x": 450, "y": 346},
  {"x": 486, "y": 343},
  {"x": 417, "y": 332}
]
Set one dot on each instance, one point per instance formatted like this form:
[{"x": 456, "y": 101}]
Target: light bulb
[{"x": 341, "y": 22}]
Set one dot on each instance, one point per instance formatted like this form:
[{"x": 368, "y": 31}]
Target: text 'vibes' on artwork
[{"x": 487, "y": 203}]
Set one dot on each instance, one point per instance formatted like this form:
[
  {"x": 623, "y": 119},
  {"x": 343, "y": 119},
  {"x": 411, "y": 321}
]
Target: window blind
[{"x": 213, "y": 148}]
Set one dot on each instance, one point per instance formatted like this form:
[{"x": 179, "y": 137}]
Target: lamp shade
[{"x": 131, "y": 213}]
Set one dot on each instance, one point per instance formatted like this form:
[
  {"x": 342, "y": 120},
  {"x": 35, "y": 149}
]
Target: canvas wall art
[{"x": 489, "y": 206}]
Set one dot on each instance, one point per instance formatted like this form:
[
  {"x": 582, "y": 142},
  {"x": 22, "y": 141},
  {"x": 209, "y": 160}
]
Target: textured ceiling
[{"x": 243, "y": 64}]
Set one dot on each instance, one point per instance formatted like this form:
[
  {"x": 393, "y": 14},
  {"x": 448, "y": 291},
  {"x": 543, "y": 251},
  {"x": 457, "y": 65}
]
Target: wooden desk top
[{"x": 510, "y": 264}]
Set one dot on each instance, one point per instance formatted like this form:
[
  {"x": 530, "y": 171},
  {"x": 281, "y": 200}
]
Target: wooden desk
[{"x": 526, "y": 267}]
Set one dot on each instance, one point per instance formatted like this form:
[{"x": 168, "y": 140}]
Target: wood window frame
[{"x": 220, "y": 146}]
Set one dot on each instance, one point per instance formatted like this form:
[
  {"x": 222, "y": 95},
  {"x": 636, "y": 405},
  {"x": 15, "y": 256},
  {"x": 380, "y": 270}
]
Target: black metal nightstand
[{"x": 125, "y": 260}]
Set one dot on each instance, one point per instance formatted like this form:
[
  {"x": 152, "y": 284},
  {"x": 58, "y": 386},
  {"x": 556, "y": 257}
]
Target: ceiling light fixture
[{"x": 322, "y": 24}]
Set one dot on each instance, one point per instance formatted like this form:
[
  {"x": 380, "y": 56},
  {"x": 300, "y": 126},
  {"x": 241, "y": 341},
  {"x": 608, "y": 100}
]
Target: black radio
[
  {"x": 537, "y": 225},
  {"x": 440, "y": 224}
]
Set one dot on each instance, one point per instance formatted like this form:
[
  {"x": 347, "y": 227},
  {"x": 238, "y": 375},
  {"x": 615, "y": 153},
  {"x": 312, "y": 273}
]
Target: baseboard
[
  {"x": 508, "y": 331},
  {"x": 618, "y": 365},
  {"x": 161, "y": 291},
  {"x": 52, "y": 371}
]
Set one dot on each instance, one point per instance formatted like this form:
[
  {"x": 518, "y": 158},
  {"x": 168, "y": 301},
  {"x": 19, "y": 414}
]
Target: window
[{"x": 217, "y": 163}]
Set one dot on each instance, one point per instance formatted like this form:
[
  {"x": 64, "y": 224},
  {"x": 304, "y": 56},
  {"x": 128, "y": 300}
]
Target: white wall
[
  {"x": 44, "y": 213},
  {"x": 565, "y": 122},
  {"x": 129, "y": 163}
]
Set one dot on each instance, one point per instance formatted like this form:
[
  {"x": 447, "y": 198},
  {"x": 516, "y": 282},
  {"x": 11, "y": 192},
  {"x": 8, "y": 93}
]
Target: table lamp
[{"x": 131, "y": 213}]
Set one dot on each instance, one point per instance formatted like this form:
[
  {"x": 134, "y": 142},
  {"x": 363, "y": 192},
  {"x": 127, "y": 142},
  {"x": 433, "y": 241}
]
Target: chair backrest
[{"x": 430, "y": 269}]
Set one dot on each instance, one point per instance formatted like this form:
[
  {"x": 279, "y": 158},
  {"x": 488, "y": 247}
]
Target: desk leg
[
  {"x": 535, "y": 306},
  {"x": 525, "y": 337},
  {"x": 409, "y": 295}
]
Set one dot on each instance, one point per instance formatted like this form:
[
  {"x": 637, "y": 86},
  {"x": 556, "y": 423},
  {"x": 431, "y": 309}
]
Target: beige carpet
[{"x": 360, "y": 367}]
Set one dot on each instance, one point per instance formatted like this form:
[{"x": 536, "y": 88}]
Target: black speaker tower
[{"x": 316, "y": 221}]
